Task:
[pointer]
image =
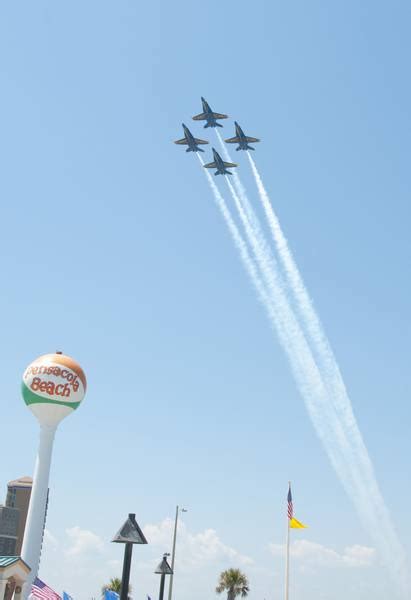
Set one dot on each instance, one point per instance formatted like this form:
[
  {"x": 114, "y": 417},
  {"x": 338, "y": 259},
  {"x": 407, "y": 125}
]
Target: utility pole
[{"x": 173, "y": 553}]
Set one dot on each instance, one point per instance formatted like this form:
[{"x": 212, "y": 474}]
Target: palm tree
[
  {"x": 234, "y": 582},
  {"x": 114, "y": 585}
]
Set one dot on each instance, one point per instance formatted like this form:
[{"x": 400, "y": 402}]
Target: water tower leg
[{"x": 33, "y": 535}]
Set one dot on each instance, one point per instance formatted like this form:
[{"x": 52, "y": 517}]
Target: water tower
[{"x": 53, "y": 387}]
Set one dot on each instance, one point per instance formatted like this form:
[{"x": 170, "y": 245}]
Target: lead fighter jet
[
  {"x": 241, "y": 139},
  {"x": 209, "y": 116},
  {"x": 219, "y": 164},
  {"x": 190, "y": 141}
]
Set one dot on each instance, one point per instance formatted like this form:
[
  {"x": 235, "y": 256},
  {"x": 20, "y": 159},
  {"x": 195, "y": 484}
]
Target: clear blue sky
[{"x": 112, "y": 251}]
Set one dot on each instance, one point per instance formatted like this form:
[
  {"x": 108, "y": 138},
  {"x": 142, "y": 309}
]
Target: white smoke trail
[
  {"x": 291, "y": 337},
  {"x": 241, "y": 190},
  {"x": 364, "y": 489},
  {"x": 238, "y": 240}
]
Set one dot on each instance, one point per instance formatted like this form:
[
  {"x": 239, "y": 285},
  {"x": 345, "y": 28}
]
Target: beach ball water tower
[{"x": 53, "y": 387}]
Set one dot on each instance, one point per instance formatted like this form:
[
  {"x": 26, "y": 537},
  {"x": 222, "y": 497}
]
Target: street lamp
[
  {"x": 173, "y": 554},
  {"x": 129, "y": 534},
  {"x": 163, "y": 569}
]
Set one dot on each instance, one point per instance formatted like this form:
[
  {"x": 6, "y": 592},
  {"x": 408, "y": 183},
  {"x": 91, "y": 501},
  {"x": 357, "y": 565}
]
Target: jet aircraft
[
  {"x": 190, "y": 141},
  {"x": 209, "y": 116},
  {"x": 219, "y": 164},
  {"x": 241, "y": 139}
]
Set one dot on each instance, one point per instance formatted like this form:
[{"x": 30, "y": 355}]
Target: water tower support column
[{"x": 37, "y": 510}]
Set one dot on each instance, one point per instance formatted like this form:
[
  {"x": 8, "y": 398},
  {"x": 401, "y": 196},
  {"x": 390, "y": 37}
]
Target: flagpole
[
  {"x": 287, "y": 555},
  {"x": 287, "y": 561}
]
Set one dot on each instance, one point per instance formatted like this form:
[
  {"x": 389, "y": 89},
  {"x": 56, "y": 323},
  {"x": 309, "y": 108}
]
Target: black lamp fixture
[
  {"x": 128, "y": 534},
  {"x": 163, "y": 569}
]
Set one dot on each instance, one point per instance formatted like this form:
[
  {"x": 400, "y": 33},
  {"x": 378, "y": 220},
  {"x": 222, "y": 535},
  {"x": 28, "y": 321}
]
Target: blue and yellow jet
[
  {"x": 241, "y": 139},
  {"x": 190, "y": 141},
  {"x": 209, "y": 116},
  {"x": 219, "y": 164}
]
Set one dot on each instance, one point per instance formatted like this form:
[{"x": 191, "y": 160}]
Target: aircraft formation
[{"x": 211, "y": 118}]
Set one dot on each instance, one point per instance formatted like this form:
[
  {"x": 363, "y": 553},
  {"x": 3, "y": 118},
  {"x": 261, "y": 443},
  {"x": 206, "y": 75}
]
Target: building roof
[
  {"x": 25, "y": 482},
  {"x": 5, "y": 561}
]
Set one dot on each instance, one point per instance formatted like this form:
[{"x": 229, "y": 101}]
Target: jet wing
[
  {"x": 181, "y": 142},
  {"x": 212, "y": 165},
  {"x": 200, "y": 117},
  {"x": 237, "y": 140},
  {"x": 204, "y": 116},
  {"x": 197, "y": 141},
  {"x": 227, "y": 164}
]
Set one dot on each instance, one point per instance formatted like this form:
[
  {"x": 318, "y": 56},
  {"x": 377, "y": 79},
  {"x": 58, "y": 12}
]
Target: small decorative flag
[
  {"x": 294, "y": 524},
  {"x": 41, "y": 590},
  {"x": 292, "y": 521},
  {"x": 290, "y": 504},
  {"x": 110, "y": 595}
]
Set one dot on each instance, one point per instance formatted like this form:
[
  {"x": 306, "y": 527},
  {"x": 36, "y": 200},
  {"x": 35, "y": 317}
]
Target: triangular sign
[
  {"x": 130, "y": 532},
  {"x": 164, "y": 568}
]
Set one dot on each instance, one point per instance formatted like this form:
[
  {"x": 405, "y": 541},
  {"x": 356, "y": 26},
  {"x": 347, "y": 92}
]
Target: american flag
[
  {"x": 41, "y": 590},
  {"x": 290, "y": 504}
]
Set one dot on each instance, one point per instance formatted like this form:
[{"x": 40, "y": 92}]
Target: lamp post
[
  {"x": 173, "y": 554},
  {"x": 163, "y": 569},
  {"x": 129, "y": 534}
]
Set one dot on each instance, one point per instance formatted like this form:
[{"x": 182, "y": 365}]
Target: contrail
[
  {"x": 364, "y": 490},
  {"x": 240, "y": 188},
  {"x": 238, "y": 239},
  {"x": 291, "y": 337}
]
